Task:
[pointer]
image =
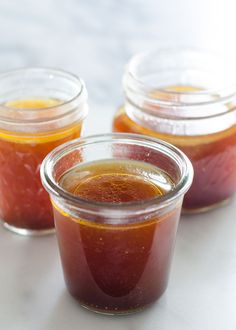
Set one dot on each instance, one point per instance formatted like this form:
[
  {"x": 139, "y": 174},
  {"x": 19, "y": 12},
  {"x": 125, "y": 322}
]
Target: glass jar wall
[
  {"x": 187, "y": 98},
  {"x": 39, "y": 109},
  {"x": 116, "y": 237}
]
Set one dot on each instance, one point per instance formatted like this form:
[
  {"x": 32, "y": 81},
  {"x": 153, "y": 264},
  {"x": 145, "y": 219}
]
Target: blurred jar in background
[
  {"x": 188, "y": 98},
  {"x": 39, "y": 109}
]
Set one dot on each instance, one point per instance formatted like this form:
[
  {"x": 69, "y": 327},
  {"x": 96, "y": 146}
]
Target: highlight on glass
[
  {"x": 117, "y": 200},
  {"x": 187, "y": 98},
  {"x": 40, "y": 108}
]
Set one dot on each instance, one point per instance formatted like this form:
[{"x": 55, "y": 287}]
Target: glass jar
[
  {"x": 116, "y": 257},
  {"x": 40, "y": 109},
  {"x": 187, "y": 98}
]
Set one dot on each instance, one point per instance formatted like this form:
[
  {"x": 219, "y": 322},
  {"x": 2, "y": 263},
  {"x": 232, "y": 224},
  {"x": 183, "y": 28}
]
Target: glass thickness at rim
[
  {"x": 58, "y": 73},
  {"x": 134, "y": 75},
  {"x": 158, "y": 202}
]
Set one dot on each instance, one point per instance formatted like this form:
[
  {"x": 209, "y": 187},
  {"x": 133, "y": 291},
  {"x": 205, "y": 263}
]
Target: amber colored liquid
[
  {"x": 120, "y": 267},
  {"x": 23, "y": 201},
  {"x": 213, "y": 157}
]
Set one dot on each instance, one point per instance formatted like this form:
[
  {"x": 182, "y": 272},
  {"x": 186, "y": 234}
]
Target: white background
[{"x": 95, "y": 39}]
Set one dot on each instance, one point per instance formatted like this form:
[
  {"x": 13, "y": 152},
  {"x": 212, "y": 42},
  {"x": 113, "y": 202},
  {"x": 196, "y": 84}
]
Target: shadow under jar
[
  {"x": 117, "y": 200},
  {"x": 187, "y": 98},
  {"x": 40, "y": 109}
]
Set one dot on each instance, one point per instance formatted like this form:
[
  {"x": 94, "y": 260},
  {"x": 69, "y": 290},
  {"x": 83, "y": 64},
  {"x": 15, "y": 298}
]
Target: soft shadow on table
[
  {"x": 37, "y": 261},
  {"x": 30, "y": 265},
  {"x": 204, "y": 241},
  {"x": 68, "y": 314},
  {"x": 203, "y": 271},
  {"x": 201, "y": 235}
]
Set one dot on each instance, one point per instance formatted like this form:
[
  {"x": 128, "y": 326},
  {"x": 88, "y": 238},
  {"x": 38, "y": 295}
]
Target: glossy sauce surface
[
  {"x": 121, "y": 267},
  {"x": 116, "y": 181},
  {"x": 23, "y": 201}
]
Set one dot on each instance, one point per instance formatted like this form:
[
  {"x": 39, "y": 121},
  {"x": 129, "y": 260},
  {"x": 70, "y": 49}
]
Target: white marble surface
[{"x": 95, "y": 38}]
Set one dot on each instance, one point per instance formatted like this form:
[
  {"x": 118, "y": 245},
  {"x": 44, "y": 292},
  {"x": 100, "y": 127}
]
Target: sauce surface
[
  {"x": 116, "y": 181},
  {"x": 32, "y": 103}
]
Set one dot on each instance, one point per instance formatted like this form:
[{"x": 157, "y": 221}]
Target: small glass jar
[
  {"x": 187, "y": 98},
  {"x": 116, "y": 257},
  {"x": 40, "y": 109}
]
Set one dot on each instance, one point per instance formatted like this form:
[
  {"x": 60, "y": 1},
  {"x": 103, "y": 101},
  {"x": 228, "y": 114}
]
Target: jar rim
[
  {"x": 134, "y": 84},
  {"x": 139, "y": 207},
  {"x": 80, "y": 94}
]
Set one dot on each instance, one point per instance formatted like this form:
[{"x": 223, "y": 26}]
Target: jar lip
[
  {"x": 67, "y": 75},
  {"x": 142, "y": 207},
  {"x": 133, "y": 83}
]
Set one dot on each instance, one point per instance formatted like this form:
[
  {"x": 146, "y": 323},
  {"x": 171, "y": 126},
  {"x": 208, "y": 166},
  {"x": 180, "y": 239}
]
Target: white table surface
[
  {"x": 201, "y": 292},
  {"x": 95, "y": 39}
]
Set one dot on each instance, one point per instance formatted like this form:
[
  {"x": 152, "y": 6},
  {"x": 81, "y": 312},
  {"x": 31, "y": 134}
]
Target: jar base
[
  {"x": 114, "y": 312},
  {"x": 207, "y": 208},
  {"x": 28, "y": 232}
]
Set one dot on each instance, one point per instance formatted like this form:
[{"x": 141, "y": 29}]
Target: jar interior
[
  {"x": 62, "y": 97},
  {"x": 123, "y": 147},
  {"x": 83, "y": 153},
  {"x": 37, "y": 83},
  {"x": 181, "y": 92},
  {"x": 209, "y": 74}
]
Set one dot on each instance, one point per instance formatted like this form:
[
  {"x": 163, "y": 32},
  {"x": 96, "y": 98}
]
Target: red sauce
[
  {"x": 115, "y": 267},
  {"x": 213, "y": 158},
  {"x": 23, "y": 201}
]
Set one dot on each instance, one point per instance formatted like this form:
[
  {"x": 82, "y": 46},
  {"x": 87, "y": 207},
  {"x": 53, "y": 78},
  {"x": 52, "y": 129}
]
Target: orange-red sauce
[
  {"x": 213, "y": 158},
  {"x": 23, "y": 201},
  {"x": 123, "y": 266}
]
